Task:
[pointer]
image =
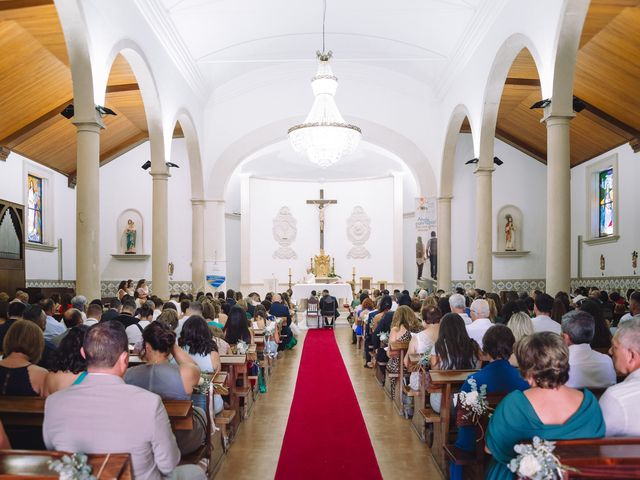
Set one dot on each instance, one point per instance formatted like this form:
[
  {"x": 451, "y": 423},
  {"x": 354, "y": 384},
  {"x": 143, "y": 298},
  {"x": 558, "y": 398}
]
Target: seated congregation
[
  {"x": 166, "y": 382},
  {"x": 560, "y": 369}
]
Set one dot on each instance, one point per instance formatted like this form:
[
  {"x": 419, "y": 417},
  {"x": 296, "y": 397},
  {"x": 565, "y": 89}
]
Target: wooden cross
[{"x": 321, "y": 202}]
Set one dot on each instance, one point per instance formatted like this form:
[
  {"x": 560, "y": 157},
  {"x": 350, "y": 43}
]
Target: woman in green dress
[{"x": 549, "y": 409}]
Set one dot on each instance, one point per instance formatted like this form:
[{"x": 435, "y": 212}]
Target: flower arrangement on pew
[
  {"x": 537, "y": 462},
  {"x": 472, "y": 406},
  {"x": 72, "y": 467},
  {"x": 425, "y": 361},
  {"x": 242, "y": 347},
  {"x": 384, "y": 337}
]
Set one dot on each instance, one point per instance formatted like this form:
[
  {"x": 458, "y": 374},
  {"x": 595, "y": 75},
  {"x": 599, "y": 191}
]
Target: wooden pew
[
  {"x": 400, "y": 349},
  {"x": 30, "y": 411},
  {"x": 236, "y": 367},
  {"x": 615, "y": 457},
  {"x": 34, "y": 464},
  {"x": 448, "y": 382},
  {"x": 419, "y": 401}
]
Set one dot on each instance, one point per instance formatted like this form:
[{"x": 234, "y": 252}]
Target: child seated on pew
[
  {"x": 454, "y": 350},
  {"x": 498, "y": 376}
]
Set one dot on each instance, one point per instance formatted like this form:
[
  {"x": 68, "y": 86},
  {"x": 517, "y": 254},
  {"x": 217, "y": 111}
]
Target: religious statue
[
  {"x": 634, "y": 259},
  {"x": 509, "y": 234},
  {"x": 602, "y": 263},
  {"x": 130, "y": 237},
  {"x": 321, "y": 215}
]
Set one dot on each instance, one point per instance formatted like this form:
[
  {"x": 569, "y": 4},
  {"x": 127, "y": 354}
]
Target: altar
[{"x": 302, "y": 291}]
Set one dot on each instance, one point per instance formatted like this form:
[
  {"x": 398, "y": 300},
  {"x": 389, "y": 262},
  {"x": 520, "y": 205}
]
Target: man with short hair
[
  {"x": 94, "y": 314},
  {"x": 587, "y": 368},
  {"x": 634, "y": 307},
  {"x": 194, "y": 308},
  {"x": 458, "y": 303},
  {"x": 231, "y": 297},
  {"x": 328, "y": 307},
  {"x": 54, "y": 327},
  {"x": 128, "y": 309},
  {"x": 35, "y": 314},
  {"x": 432, "y": 255},
  {"x": 542, "y": 322},
  {"x": 79, "y": 302},
  {"x": 280, "y": 310},
  {"x": 115, "y": 309},
  {"x": 480, "y": 321},
  {"x": 15, "y": 311},
  {"x": 142, "y": 429},
  {"x": 619, "y": 403}
]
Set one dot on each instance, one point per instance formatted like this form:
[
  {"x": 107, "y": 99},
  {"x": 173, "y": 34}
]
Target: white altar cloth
[{"x": 302, "y": 291}]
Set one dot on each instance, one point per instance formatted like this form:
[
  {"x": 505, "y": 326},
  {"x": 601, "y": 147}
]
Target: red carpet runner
[{"x": 326, "y": 437}]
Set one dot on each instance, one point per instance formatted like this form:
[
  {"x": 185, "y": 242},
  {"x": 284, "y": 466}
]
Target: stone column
[
  {"x": 88, "y": 208},
  {"x": 444, "y": 243},
  {"x": 558, "y": 276},
  {"x": 197, "y": 245},
  {"x": 160, "y": 237},
  {"x": 484, "y": 215}
]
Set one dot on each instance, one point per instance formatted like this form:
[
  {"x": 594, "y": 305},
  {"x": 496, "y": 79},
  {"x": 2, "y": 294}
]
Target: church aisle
[
  {"x": 326, "y": 436},
  {"x": 256, "y": 448},
  {"x": 399, "y": 452}
]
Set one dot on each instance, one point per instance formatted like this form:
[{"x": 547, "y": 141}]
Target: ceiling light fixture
[
  {"x": 473, "y": 161},
  {"x": 541, "y": 104},
  {"x": 324, "y": 136}
]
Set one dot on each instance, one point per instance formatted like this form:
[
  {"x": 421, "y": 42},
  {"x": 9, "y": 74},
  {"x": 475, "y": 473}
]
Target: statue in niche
[
  {"x": 509, "y": 234},
  {"x": 130, "y": 237}
]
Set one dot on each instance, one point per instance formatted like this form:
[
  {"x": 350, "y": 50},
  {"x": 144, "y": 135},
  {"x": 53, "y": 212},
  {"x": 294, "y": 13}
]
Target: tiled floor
[{"x": 255, "y": 452}]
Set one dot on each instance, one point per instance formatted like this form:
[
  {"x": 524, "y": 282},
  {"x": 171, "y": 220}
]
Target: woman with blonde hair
[
  {"x": 520, "y": 325},
  {"x": 423, "y": 341},
  {"x": 403, "y": 324}
]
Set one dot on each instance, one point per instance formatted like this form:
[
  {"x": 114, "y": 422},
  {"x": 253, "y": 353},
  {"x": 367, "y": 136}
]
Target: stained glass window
[
  {"x": 605, "y": 203},
  {"x": 34, "y": 209}
]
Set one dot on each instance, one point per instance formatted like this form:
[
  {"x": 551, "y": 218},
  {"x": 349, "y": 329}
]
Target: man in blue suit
[{"x": 279, "y": 309}]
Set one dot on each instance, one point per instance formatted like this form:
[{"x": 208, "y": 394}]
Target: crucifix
[{"x": 321, "y": 202}]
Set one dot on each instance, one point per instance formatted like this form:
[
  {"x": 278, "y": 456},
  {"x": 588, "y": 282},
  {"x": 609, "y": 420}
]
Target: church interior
[{"x": 287, "y": 259}]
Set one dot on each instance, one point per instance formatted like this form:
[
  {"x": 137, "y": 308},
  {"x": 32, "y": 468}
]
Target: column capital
[
  {"x": 445, "y": 198},
  {"x": 198, "y": 202},
  {"x": 160, "y": 175},
  {"x": 94, "y": 125},
  {"x": 555, "y": 119},
  {"x": 484, "y": 171},
  {"x": 214, "y": 200}
]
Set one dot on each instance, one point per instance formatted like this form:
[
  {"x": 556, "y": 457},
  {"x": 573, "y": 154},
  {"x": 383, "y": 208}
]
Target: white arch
[
  {"x": 192, "y": 140},
  {"x": 567, "y": 44},
  {"x": 262, "y": 137},
  {"x": 449, "y": 151},
  {"x": 494, "y": 86}
]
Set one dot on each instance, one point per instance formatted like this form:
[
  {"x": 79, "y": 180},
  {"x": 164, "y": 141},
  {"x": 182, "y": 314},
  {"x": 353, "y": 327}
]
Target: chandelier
[{"x": 324, "y": 136}]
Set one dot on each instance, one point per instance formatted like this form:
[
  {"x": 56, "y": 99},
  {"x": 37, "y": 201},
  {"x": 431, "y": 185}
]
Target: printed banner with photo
[{"x": 426, "y": 221}]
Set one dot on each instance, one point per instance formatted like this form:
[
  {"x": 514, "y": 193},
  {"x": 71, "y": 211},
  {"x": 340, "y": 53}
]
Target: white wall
[
  {"x": 61, "y": 221},
  {"x": 124, "y": 185},
  {"x": 618, "y": 254},
  {"x": 520, "y": 181},
  {"x": 267, "y": 196}
]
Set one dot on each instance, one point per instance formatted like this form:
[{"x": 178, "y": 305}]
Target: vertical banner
[{"x": 426, "y": 220}]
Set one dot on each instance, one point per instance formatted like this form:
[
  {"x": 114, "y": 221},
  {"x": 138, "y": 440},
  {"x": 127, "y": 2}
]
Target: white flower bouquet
[
  {"x": 74, "y": 467},
  {"x": 537, "y": 461},
  {"x": 384, "y": 337},
  {"x": 472, "y": 405},
  {"x": 242, "y": 347},
  {"x": 425, "y": 360},
  {"x": 270, "y": 329}
]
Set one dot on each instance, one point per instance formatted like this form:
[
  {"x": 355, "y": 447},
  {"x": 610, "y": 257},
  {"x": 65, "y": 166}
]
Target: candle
[
  {"x": 289, "y": 270},
  {"x": 354, "y": 270}
]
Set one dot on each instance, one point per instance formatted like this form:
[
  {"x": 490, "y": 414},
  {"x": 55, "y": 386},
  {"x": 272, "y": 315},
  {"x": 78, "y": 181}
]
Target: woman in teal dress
[{"x": 549, "y": 409}]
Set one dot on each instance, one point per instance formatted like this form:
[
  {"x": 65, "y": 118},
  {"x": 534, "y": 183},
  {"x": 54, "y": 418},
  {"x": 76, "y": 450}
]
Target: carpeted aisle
[{"x": 326, "y": 436}]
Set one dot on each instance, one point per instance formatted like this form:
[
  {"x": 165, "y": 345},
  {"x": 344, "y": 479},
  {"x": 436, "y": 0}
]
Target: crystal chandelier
[{"x": 324, "y": 136}]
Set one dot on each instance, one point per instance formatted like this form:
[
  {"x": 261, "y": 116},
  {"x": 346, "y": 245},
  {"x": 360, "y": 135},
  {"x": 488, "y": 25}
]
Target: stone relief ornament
[
  {"x": 284, "y": 233},
  {"x": 358, "y": 232}
]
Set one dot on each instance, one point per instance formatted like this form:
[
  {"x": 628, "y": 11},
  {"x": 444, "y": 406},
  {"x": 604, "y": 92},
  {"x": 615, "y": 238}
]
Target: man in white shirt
[
  {"x": 620, "y": 402},
  {"x": 53, "y": 327},
  {"x": 587, "y": 368},
  {"x": 634, "y": 307},
  {"x": 94, "y": 314},
  {"x": 79, "y": 302},
  {"x": 457, "y": 303},
  {"x": 480, "y": 320},
  {"x": 542, "y": 306}
]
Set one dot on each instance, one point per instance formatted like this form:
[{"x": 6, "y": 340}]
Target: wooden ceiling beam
[
  {"x": 613, "y": 124},
  {"x": 524, "y": 82},
  {"x": 18, "y": 4},
  {"x": 34, "y": 127},
  {"x": 123, "y": 87}
]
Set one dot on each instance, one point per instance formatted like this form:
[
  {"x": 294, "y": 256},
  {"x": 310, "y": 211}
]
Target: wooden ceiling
[
  {"x": 35, "y": 86},
  {"x": 607, "y": 80}
]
